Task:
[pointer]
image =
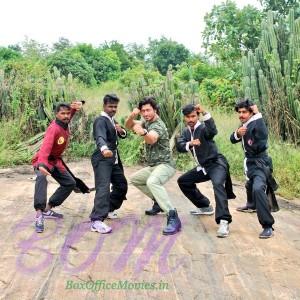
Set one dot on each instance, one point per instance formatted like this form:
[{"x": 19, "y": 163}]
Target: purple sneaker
[
  {"x": 173, "y": 223},
  {"x": 50, "y": 214}
]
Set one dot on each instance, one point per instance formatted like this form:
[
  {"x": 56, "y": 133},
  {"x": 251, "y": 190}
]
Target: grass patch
[
  {"x": 10, "y": 136},
  {"x": 94, "y": 97}
]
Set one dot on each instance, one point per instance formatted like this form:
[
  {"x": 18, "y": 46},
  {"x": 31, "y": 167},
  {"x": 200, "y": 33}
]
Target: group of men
[{"x": 197, "y": 137}]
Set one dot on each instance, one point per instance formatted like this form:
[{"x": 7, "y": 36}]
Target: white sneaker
[
  {"x": 99, "y": 226},
  {"x": 112, "y": 215},
  {"x": 223, "y": 230}
]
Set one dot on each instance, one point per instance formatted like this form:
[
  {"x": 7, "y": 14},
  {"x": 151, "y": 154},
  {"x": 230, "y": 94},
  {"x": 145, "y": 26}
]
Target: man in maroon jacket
[{"x": 47, "y": 161}]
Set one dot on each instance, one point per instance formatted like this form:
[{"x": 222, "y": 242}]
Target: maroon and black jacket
[{"x": 55, "y": 142}]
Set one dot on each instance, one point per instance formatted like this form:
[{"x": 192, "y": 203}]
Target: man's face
[
  {"x": 148, "y": 112},
  {"x": 191, "y": 119},
  {"x": 64, "y": 115},
  {"x": 244, "y": 114},
  {"x": 110, "y": 108}
]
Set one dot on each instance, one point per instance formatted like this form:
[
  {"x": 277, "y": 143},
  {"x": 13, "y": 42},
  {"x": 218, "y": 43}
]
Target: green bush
[
  {"x": 218, "y": 92},
  {"x": 139, "y": 72},
  {"x": 131, "y": 149},
  {"x": 199, "y": 71},
  {"x": 8, "y": 54}
]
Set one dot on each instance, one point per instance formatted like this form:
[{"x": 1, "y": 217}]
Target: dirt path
[{"x": 68, "y": 261}]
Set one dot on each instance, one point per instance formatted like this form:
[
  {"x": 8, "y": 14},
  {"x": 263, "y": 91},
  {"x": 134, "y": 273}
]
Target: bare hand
[
  {"x": 138, "y": 129},
  {"x": 77, "y": 105},
  {"x": 107, "y": 153},
  {"x": 254, "y": 109},
  {"x": 195, "y": 142},
  {"x": 134, "y": 113},
  {"x": 44, "y": 171},
  {"x": 119, "y": 129},
  {"x": 199, "y": 108},
  {"x": 241, "y": 131}
]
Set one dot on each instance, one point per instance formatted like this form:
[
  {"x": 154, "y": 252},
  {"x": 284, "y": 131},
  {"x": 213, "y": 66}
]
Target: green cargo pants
[{"x": 150, "y": 181}]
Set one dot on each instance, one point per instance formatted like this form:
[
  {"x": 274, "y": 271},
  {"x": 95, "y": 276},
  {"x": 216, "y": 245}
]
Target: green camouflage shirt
[{"x": 160, "y": 152}]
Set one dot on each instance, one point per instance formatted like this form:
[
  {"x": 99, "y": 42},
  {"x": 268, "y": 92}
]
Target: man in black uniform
[
  {"x": 107, "y": 166},
  {"x": 258, "y": 165},
  {"x": 197, "y": 137}
]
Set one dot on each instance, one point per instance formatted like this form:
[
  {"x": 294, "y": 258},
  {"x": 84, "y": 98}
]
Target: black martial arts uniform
[
  {"x": 211, "y": 165},
  {"x": 258, "y": 167},
  {"x": 107, "y": 170}
]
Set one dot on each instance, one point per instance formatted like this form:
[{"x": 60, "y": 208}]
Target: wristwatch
[{"x": 145, "y": 132}]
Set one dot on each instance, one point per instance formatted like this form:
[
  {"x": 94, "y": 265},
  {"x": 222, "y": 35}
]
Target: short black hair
[
  {"x": 110, "y": 98},
  {"x": 60, "y": 106},
  {"x": 149, "y": 100},
  {"x": 244, "y": 103},
  {"x": 189, "y": 108}
]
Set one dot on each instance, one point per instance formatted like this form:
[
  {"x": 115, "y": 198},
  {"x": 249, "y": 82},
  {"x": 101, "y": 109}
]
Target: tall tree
[
  {"x": 33, "y": 49},
  {"x": 7, "y": 53},
  {"x": 281, "y": 7},
  {"x": 165, "y": 52},
  {"x": 72, "y": 61},
  {"x": 62, "y": 44},
  {"x": 230, "y": 31},
  {"x": 105, "y": 62},
  {"x": 139, "y": 52},
  {"x": 124, "y": 57}
]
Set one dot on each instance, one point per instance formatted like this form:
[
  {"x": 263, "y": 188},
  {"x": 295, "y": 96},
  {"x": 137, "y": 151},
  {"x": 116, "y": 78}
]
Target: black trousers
[
  {"x": 67, "y": 184},
  {"x": 258, "y": 187},
  {"x": 106, "y": 200},
  {"x": 217, "y": 174},
  {"x": 250, "y": 201}
]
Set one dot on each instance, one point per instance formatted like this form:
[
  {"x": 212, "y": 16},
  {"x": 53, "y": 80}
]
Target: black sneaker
[
  {"x": 209, "y": 210},
  {"x": 154, "y": 210},
  {"x": 246, "y": 209},
  {"x": 51, "y": 214},
  {"x": 266, "y": 233}
]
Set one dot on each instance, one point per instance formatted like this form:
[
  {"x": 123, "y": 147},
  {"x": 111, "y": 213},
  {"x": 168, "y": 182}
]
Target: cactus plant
[{"x": 271, "y": 75}]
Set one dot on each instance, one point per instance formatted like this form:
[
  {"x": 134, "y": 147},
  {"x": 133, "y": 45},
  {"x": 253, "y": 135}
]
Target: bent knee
[
  {"x": 182, "y": 181},
  {"x": 218, "y": 183},
  {"x": 153, "y": 180},
  {"x": 70, "y": 184},
  {"x": 258, "y": 188}
]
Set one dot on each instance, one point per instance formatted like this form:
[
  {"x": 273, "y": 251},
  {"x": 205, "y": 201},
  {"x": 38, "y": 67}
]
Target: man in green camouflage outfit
[{"x": 161, "y": 167}]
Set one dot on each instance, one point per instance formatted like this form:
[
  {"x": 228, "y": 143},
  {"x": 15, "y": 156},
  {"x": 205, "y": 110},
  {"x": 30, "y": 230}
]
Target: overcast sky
[{"x": 97, "y": 21}]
